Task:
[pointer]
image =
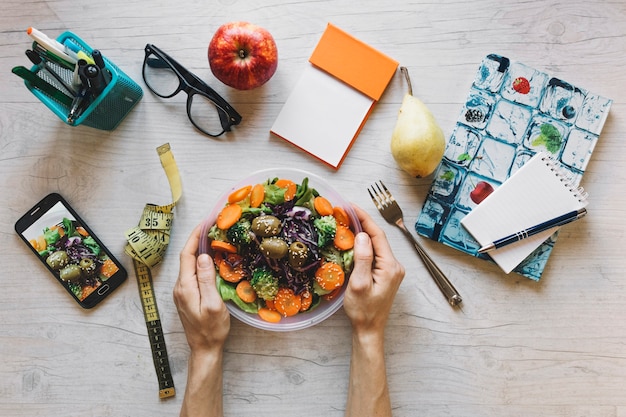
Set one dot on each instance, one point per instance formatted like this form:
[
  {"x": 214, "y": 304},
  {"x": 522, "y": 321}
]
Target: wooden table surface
[{"x": 516, "y": 348}]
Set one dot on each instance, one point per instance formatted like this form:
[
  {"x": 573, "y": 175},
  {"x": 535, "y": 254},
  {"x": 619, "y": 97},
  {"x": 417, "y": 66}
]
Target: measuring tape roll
[{"x": 147, "y": 243}]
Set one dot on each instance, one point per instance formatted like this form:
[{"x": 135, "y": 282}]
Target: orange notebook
[{"x": 334, "y": 96}]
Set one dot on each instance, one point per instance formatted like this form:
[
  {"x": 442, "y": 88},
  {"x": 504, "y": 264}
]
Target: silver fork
[{"x": 392, "y": 213}]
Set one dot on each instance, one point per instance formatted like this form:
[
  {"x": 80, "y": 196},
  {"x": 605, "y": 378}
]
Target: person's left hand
[{"x": 202, "y": 312}]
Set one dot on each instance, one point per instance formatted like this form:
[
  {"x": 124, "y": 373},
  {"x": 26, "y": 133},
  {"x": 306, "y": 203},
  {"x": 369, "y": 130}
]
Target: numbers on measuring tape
[
  {"x": 146, "y": 246},
  {"x": 152, "y": 219},
  {"x": 155, "y": 331}
]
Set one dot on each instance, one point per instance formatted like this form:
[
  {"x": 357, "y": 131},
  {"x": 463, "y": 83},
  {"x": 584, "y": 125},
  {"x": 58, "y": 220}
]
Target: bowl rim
[{"x": 304, "y": 319}]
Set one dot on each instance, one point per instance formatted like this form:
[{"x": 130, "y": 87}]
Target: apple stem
[
  {"x": 242, "y": 53},
  {"x": 405, "y": 71}
]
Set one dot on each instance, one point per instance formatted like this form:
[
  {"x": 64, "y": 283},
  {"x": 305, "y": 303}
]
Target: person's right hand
[{"x": 374, "y": 281}]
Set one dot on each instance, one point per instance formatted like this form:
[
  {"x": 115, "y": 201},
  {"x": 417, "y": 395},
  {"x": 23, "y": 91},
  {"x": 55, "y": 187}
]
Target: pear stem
[{"x": 405, "y": 71}]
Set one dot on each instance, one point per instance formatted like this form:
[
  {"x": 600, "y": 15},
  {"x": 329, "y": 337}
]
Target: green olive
[
  {"x": 70, "y": 273},
  {"x": 88, "y": 266},
  {"x": 298, "y": 254},
  {"x": 266, "y": 226},
  {"x": 273, "y": 247},
  {"x": 57, "y": 260}
]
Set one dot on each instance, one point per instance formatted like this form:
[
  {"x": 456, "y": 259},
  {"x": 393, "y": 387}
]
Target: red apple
[
  {"x": 481, "y": 191},
  {"x": 242, "y": 55}
]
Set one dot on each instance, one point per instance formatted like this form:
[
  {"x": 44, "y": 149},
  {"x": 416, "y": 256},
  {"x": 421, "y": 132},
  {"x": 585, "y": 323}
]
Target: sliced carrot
[
  {"x": 270, "y": 304},
  {"x": 108, "y": 268},
  {"x": 268, "y": 315},
  {"x": 87, "y": 290},
  {"x": 218, "y": 258},
  {"x": 291, "y": 192},
  {"x": 39, "y": 244},
  {"x": 81, "y": 230},
  {"x": 240, "y": 194},
  {"x": 60, "y": 230},
  {"x": 341, "y": 216},
  {"x": 332, "y": 295},
  {"x": 322, "y": 206},
  {"x": 287, "y": 302},
  {"x": 219, "y": 245},
  {"x": 306, "y": 300},
  {"x": 283, "y": 183},
  {"x": 344, "y": 238},
  {"x": 330, "y": 276},
  {"x": 257, "y": 195},
  {"x": 228, "y": 216},
  {"x": 229, "y": 272},
  {"x": 245, "y": 291},
  {"x": 290, "y": 186}
]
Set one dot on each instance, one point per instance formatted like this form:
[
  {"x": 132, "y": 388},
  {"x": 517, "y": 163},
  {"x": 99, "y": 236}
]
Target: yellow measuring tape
[{"x": 146, "y": 245}]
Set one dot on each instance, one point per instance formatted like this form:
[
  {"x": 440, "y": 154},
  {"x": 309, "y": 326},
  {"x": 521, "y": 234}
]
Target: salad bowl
[{"x": 325, "y": 307}]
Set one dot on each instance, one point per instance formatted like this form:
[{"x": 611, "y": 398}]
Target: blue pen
[{"x": 542, "y": 227}]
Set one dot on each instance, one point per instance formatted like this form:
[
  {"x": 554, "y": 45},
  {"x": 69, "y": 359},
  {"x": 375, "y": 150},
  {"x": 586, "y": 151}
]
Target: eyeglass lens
[
  {"x": 164, "y": 81},
  {"x": 205, "y": 115},
  {"x": 160, "y": 77}
]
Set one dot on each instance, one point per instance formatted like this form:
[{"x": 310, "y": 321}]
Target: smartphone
[{"x": 68, "y": 248}]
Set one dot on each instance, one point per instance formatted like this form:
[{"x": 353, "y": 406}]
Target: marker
[
  {"x": 97, "y": 57},
  {"x": 77, "y": 82},
  {"x": 531, "y": 231},
  {"x": 80, "y": 54},
  {"x": 95, "y": 79},
  {"x": 49, "y": 56},
  {"x": 52, "y": 45}
]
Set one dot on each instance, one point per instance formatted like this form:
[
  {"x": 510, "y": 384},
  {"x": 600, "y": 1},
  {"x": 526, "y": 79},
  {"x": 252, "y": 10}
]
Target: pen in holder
[{"x": 112, "y": 93}]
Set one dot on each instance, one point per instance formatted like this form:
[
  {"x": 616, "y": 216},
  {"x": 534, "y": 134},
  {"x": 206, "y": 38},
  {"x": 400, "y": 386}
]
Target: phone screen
[{"x": 68, "y": 248}]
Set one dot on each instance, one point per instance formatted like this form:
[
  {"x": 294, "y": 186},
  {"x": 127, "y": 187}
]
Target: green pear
[{"x": 417, "y": 141}]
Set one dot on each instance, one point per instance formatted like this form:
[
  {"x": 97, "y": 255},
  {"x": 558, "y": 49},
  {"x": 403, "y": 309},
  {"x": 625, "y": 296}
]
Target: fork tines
[{"x": 380, "y": 195}]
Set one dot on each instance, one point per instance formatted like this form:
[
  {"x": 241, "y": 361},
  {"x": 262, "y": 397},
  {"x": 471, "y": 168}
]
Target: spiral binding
[{"x": 567, "y": 180}]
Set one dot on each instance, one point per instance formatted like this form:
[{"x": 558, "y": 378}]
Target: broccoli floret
[
  {"x": 348, "y": 260},
  {"x": 215, "y": 233},
  {"x": 345, "y": 258},
  {"x": 264, "y": 283},
  {"x": 240, "y": 233},
  {"x": 326, "y": 227},
  {"x": 332, "y": 254}
]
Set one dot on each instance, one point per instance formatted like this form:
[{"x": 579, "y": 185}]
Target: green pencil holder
[{"x": 107, "y": 110}]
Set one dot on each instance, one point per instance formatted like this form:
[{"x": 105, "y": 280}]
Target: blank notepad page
[{"x": 537, "y": 192}]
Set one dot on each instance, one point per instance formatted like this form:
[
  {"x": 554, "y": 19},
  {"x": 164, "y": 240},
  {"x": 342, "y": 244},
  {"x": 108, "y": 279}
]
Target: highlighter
[{"x": 78, "y": 51}]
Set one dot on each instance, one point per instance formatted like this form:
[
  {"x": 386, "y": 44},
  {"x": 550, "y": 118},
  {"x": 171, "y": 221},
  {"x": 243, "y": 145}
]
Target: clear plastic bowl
[{"x": 326, "y": 308}]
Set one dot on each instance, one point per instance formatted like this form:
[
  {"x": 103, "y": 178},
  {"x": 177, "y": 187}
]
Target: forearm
[
  {"x": 368, "y": 393},
  {"x": 203, "y": 395}
]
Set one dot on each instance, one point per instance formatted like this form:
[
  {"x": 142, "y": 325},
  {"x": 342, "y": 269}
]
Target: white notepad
[
  {"x": 322, "y": 116},
  {"x": 537, "y": 192},
  {"x": 334, "y": 97}
]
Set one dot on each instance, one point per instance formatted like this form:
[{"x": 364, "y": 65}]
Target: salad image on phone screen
[{"x": 76, "y": 258}]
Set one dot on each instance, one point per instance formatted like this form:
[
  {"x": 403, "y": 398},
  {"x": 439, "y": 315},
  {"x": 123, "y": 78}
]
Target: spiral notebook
[{"x": 537, "y": 192}]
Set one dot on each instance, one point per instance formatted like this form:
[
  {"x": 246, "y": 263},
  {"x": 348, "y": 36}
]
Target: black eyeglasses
[{"x": 207, "y": 110}]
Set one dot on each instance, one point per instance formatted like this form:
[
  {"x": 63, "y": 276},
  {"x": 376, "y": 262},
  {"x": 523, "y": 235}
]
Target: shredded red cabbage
[{"x": 296, "y": 226}]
